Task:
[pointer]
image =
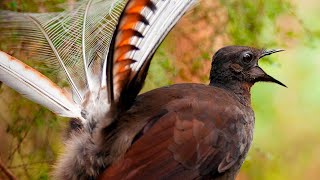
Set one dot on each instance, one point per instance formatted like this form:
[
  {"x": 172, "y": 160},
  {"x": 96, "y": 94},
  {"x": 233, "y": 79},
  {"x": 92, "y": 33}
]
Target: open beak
[{"x": 260, "y": 75}]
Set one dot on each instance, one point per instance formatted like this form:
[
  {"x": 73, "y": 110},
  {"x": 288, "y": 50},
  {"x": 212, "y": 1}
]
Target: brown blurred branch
[
  {"x": 31, "y": 164},
  {"x": 18, "y": 145},
  {"x": 6, "y": 171},
  {"x": 24, "y": 167}
]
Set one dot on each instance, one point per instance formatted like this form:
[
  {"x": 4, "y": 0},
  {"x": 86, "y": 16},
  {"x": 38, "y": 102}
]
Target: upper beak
[
  {"x": 260, "y": 75},
  {"x": 269, "y": 52}
]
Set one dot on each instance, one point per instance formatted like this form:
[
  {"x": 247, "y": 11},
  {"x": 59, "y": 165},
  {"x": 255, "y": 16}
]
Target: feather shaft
[
  {"x": 84, "y": 45},
  {"x": 35, "y": 86}
]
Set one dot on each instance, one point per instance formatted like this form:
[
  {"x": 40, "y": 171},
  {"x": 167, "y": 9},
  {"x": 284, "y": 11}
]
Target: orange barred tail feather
[{"x": 142, "y": 27}]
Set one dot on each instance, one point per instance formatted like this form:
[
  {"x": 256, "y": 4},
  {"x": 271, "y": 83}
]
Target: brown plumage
[{"x": 191, "y": 131}]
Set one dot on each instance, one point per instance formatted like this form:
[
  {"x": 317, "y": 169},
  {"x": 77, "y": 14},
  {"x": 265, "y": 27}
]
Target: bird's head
[{"x": 234, "y": 65}]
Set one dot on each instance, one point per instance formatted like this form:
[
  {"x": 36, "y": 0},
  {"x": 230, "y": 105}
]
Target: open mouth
[{"x": 263, "y": 76}]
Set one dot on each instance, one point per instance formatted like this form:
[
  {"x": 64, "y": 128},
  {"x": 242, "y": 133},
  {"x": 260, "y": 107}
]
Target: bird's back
[{"x": 185, "y": 131}]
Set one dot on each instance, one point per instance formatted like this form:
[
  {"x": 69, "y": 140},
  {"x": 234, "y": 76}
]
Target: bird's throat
[{"x": 240, "y": 89}]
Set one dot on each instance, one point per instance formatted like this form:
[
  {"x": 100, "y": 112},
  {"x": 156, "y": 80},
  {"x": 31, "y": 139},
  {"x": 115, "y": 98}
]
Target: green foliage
[
  {"x": 158, "y": 72},
  {"x": 251, "y": 22},
  {"x": 31, "y": 5}
]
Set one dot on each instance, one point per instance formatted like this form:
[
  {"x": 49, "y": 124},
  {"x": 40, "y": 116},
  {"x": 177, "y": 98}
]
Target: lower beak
[{"x": 259, "y": 75}]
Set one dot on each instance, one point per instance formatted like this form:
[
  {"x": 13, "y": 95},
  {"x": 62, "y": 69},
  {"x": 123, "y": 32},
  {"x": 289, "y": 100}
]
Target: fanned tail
[{"x": 104, "y": 47}]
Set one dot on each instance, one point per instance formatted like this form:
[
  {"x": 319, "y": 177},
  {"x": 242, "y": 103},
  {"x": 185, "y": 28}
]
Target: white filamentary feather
[
  {"x": 69, "y": 41},
  {"x": 35, "y": 86}
]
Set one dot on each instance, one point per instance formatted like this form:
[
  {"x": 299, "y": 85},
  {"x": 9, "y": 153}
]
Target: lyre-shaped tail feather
[
  {"x": 35, "y": 86},
  {"x": 142, "y": 27}
]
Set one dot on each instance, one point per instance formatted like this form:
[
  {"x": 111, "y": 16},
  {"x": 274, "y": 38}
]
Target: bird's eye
[{"x": 247, "y": 57}]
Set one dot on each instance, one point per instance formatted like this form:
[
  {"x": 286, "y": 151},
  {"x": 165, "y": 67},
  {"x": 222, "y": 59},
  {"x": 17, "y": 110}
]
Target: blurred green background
[{"x": 287, "y": 134}]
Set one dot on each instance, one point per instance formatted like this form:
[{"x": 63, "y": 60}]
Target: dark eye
[{"x": 247, "y": 57}]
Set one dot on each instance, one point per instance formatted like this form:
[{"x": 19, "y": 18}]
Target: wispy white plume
[{"x": 68, "y": 41}]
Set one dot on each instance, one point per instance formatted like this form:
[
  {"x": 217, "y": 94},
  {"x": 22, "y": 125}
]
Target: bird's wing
[
  {"x": 142, "y": 27},
  {"x": 36, "y": 87},
  {"x": 190, "y": 141}
]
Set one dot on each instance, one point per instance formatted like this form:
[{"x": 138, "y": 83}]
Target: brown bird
[
  {"x": 104, "y": 49},
  {"x": 192, "y": 131}
]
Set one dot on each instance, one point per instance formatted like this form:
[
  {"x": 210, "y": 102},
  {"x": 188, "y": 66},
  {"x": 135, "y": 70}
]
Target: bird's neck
[{"x": 240, "y": 89}]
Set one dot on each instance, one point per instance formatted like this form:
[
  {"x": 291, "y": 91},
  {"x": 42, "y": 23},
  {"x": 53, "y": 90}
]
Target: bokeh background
[{"x": 287, "y": 134}]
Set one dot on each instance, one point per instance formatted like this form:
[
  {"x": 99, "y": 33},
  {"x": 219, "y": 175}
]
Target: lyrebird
[{"x": 104, "y": 49}]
